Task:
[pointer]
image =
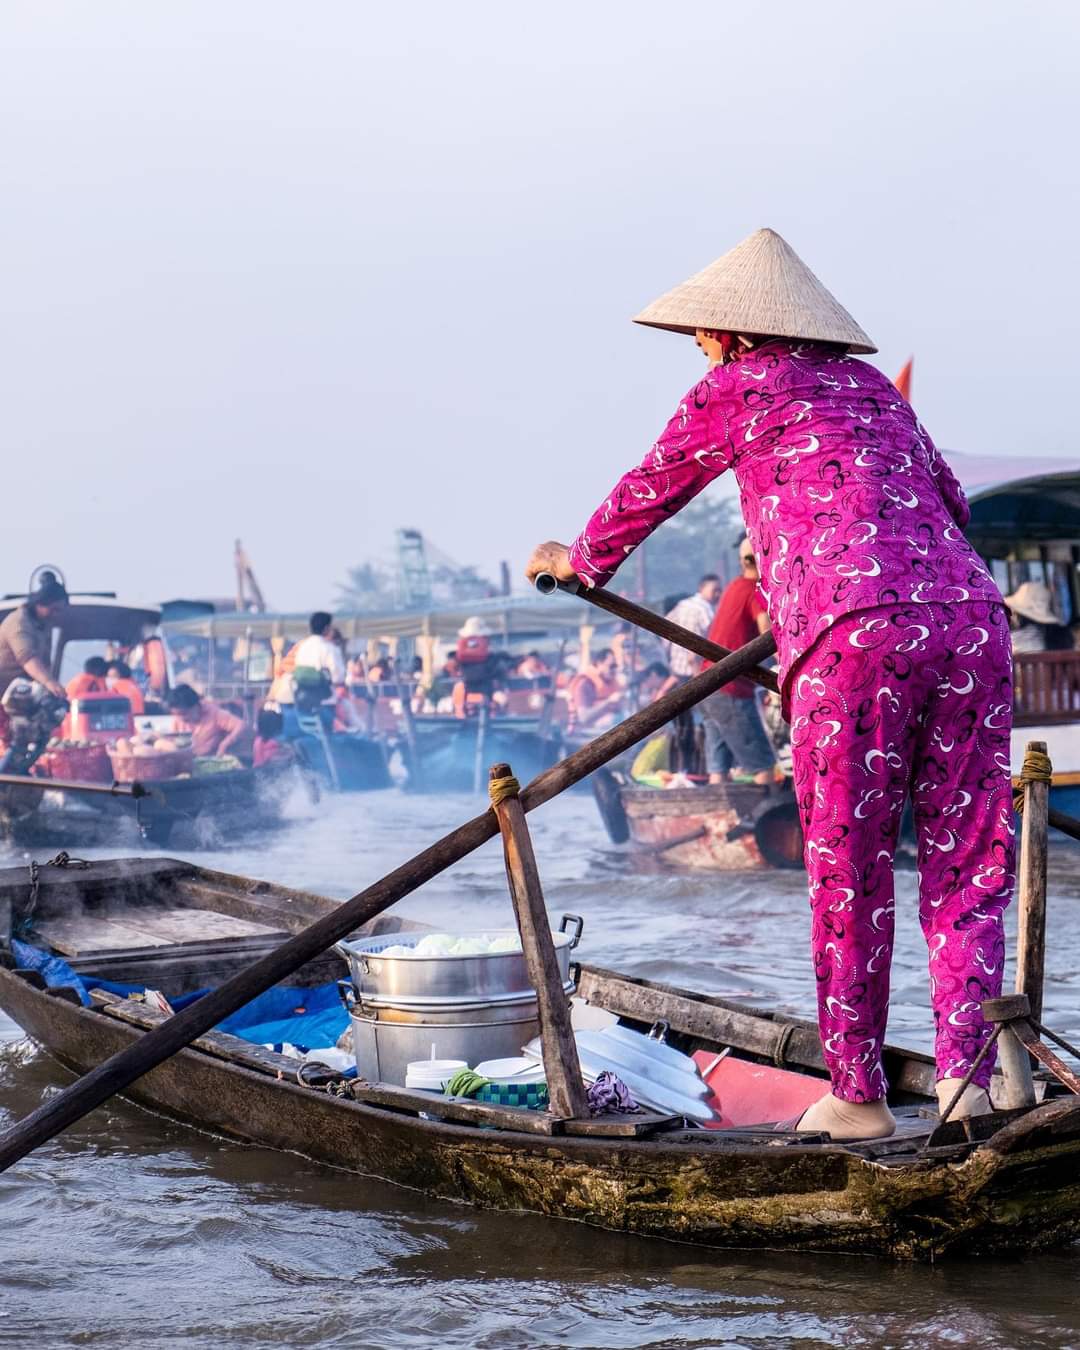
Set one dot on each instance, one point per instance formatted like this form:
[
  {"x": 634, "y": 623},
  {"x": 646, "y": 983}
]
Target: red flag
[{"x": 903, "y": 380}]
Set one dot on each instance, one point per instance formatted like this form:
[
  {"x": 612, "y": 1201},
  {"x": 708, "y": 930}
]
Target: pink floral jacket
[{"x": 847, "y": 501}]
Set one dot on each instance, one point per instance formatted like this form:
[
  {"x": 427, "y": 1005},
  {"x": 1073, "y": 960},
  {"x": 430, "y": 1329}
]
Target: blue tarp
[{"x": 310, "y": 1019}]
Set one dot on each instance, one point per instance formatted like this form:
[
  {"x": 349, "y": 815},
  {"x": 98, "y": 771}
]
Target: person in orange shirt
[
  {"x": 92, "y": 679},
  {"x": 120, "y": 683},
  {"x": 214, "y": 730},
  {"x": 595, "y": 694}
]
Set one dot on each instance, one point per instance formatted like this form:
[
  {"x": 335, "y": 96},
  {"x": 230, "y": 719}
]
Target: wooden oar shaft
[
  {"x": 1031, "y": 888},
  {"x": 641, "y": 617},
  {"x": 120, "y": 1071},
  {"x": 69, "y": 785},
  {"x": 562, "y": 1068}
]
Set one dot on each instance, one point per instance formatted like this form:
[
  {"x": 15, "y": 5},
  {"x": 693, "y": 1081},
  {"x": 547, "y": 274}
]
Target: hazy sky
[{"x": 305, "y": 272}]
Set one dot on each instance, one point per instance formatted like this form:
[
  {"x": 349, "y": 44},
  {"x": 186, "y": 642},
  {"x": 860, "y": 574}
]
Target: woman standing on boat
[{"x": 892, "y": 639}]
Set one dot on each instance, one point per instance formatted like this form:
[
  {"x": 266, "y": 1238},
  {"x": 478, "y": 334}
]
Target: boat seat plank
[
  {"x": 460, "y": 1110},
  {"x": 220, "y": 1044},
  {"x": 82, "y": 933},
  {"x": 75, "y": 935},
  {"x": 184, "y": 925},
  {"x": 637, "y": 1125}
]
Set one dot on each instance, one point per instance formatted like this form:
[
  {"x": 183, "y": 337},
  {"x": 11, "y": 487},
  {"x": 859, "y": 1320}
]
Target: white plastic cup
[{"x": 432, "y": 1075}]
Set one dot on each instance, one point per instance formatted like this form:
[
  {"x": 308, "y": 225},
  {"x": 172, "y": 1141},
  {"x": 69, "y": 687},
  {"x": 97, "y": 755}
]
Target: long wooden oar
[
  {"x": 621, "y": 608},
  {"x": 67, "y": 785},
  {"x": 180, "y": 1030}
]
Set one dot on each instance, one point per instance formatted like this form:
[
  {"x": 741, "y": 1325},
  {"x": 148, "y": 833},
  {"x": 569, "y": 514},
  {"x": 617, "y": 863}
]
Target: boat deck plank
[{"x": 79, "y": 934}]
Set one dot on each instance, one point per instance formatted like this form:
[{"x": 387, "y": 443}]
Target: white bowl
[{"x": 515, "y": 1070}]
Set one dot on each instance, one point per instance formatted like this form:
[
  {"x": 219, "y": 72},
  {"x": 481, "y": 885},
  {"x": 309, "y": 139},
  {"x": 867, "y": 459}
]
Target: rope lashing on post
[
  {"x": 1036, "y": 769},
  {"x": 499, "y": 789}
]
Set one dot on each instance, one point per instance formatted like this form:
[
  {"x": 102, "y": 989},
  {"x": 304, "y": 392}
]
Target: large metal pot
[
  {"x": 386, "y": 1039},
  {"x": 417, "y": 980}
]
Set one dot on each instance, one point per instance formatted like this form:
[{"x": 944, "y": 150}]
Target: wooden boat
[
  {"x": 1009, "y": 1181},
  {"x": 193, "y": 812},
  {"x": 721, "y": 827},
  {"x": 453, "y": 752}
]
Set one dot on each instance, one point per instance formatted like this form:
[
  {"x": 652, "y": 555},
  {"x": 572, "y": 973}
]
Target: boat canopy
[
  {"x": 93, "y": 619},
  {"x": 507, "y": 615},
  {"x": 1028, "y": 517},
  {"x": 984, "y": 473}
]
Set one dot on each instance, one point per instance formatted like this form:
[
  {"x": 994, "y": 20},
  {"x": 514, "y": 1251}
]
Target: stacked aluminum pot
[{"x": 407, "y": 1008}]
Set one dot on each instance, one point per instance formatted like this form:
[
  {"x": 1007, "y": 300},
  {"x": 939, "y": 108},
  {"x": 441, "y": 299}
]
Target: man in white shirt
[
  {"x": 318, "y": 652},
  {"x": 315, "y": 652},
  {"x": 695, "y": 612}
]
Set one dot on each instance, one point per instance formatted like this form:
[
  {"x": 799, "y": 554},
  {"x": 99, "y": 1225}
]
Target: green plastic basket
[{"x": 524, "y": 1096}]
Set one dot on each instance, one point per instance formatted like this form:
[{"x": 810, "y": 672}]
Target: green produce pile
[{"x": 207, "y": 764}]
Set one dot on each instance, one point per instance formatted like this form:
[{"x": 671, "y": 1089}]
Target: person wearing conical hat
[
  {"x": 1033, "y": 617},
  {"x": 892, "y": 641}
]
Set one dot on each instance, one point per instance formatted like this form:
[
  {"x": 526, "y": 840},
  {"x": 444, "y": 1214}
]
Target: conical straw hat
[{"x": 761, "y": 287}]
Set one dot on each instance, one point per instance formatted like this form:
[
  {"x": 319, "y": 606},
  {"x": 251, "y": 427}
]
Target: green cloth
[{"x": 653, "y": 757}]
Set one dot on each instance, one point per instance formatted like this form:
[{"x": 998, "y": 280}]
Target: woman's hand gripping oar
[{"x": 119, "y": 1072}]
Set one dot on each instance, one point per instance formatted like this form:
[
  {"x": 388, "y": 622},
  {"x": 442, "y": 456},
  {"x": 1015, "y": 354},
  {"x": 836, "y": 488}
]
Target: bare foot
[
  {"x": 849, "y": 1120},
  {"x": 974, "y": 1102}
]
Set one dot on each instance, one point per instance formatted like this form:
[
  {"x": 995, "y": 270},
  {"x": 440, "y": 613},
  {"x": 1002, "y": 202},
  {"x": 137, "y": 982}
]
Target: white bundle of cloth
[{"x": 446, "y": 944}]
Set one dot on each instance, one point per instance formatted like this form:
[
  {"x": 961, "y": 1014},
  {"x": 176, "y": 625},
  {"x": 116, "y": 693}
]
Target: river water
[{"x": 129, "y": 1231}]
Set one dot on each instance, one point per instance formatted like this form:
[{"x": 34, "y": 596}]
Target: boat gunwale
[
  {"x": 263, "y": 894},
  {"x": 711, "y": 1144}
]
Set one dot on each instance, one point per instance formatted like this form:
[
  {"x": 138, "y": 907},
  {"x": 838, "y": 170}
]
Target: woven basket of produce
[
  {"x": 78, "y": 761},
  {"x": 149, "y": 760}
]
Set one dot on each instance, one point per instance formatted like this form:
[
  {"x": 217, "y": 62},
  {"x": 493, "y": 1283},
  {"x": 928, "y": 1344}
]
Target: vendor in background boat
[
  {"x": 26, "y": 637},
  {"x": 270, "y": 747},
  {"x": 650, "y": 683},
  {"x": 119, "y": 682},
  {"x": 323, "y": 648},
  {"x": 532, "y": 666},
  {"x": 694, "y": 612},
  {"x": 482, "y": 670},
  {"x": 595, "y": 696},
  {"x": 1035, "y": 625},
  {"x": 352, "y": 715},
  {"x": 892, "y": 641},
  {"x": 92, "y": 679},
  {"x": 734, "y": 733},
  {"x": 214, "y": 730},
  {"x": 356, "y": 673}
]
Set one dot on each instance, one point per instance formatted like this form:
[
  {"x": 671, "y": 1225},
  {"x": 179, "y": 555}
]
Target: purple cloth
[
  {"x": 912, "y": 701},
  {"x": 846, "y": 500},
  {"x": 610, "y": 1094}
]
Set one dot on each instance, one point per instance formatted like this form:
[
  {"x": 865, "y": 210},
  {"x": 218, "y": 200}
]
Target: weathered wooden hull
[
  {"x": 359, "y": 762},
  {"x": 717, "y": 828},
  {"x": 450, "y": 749},
  {"x": 193, "y": 812},
  {"x": 1018, "y": 1190}
]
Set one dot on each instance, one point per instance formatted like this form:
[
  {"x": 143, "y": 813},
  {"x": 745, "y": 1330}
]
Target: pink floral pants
[{"x": 891, "y": 704}]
